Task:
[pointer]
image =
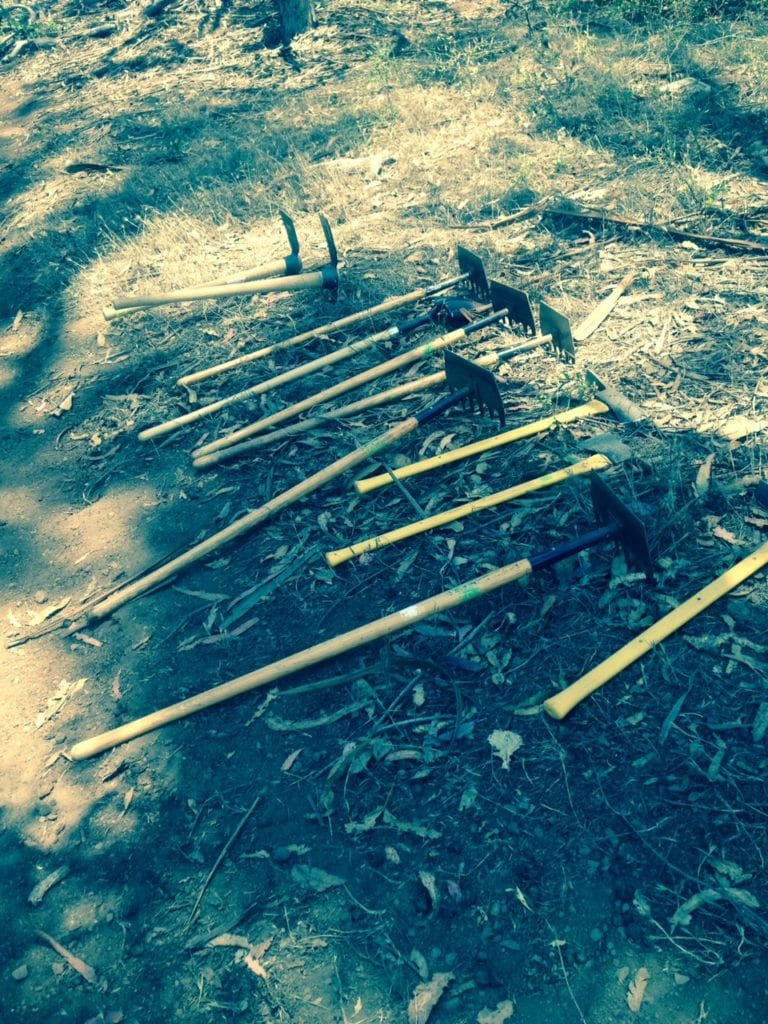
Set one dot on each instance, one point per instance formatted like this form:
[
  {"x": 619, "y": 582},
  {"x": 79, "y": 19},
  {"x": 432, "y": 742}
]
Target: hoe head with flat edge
[
  {"x": 472, "y": 265},
  {"x": 480, "y": 384},
  {"x": 290, "y": 230},
  {"x": 559, "y": 328},
  {"x": 516, "y": 303},
  {"x": 609, "y": 509}
]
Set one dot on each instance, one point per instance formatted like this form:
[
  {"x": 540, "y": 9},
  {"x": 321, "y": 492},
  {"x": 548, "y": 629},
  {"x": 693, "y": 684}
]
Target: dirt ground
[{"x": 399, "y": 832}]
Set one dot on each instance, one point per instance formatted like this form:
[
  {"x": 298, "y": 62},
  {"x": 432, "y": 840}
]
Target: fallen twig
[
  {"x": 224, "y": 851},
  {"x": 603, "y": 216}
]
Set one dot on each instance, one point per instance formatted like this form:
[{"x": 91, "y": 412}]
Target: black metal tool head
[
  {"x": 333, "y": 256},
  {"x": 630, "y": 529},
  {"x": 454, "y": 311},
  {"x": 480, "y": 384},
  {"x": 472, "y": 265},
  {"x": 290, "y": 230},
  {"x": 503, "y": 296},
  {"x": 559, "y": 328}
]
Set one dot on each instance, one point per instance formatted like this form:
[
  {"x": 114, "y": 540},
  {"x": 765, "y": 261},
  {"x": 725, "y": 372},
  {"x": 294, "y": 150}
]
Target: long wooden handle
[
  {"x": 297, "y": 373},
  {"x": 562, "y": 703},
  {"x": 387, "y": 306},
  {"x": 373, "y": 373},
  {"x": 248, "y": 522},
  {"x": 295, "y": 429},
  {"x": 350, "y": 641},
  {"x": 372, "y": 483},
  {"x": 589, "y": 465},
  {"x": 292, "y": 283}
]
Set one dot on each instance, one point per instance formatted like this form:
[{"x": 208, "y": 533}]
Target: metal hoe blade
[
  {"x": 630, "y": 528},
  {"x": 558, "y": 326},
  {"x": 479, "y": 383},
  {"x": 333, "y": 256},
  {"x": 471, "y": 264},
  {"x": 290, "y": 230},
  {"x": 505, "y": 297}
]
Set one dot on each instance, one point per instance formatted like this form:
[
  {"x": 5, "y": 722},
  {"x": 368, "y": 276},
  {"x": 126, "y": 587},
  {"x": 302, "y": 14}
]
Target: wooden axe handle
[
  {"x": 562, "y": 703},
  {"x": 292, "y": 283}
]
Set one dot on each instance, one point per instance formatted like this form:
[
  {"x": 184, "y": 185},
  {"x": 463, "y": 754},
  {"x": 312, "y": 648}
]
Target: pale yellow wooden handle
[
  {"x": 302, "y": 426},
  {"x": 386, "y": 626},
  {"x": 279, "y": 380},
  {"x": 565, "y": 701},
  {"x": 291, "y": 411},
  {"x": 372, "y": 483},
  {"x": 590, "y": 465},
  {"x": 293, "y": 282},
  {"x": 274, "y": 269},
  {"x": 298, "y": 339}
]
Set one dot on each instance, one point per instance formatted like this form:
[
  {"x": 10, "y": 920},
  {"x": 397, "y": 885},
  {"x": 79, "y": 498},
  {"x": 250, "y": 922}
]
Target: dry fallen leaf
[
  {"x": 426, "y": 997},
  {"x": 636, "y": 991},
  {"x": 290, "y": 761},
  {"x": 505, "y": 744},
  {"x": 500, "y": 1015},
  {"x": 703, "y": 477}
]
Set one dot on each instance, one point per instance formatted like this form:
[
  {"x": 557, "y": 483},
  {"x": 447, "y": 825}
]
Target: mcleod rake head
[
  {"x": 516, "y": 303},
  {"x": 630, "y": 529},
  {"x": 559, "y": 328},
  {"x": 471, "y": 264},
  {"x": 480, "y": 384}
]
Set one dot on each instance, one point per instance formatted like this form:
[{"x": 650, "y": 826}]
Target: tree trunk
[{"x": 295, "y": 16}]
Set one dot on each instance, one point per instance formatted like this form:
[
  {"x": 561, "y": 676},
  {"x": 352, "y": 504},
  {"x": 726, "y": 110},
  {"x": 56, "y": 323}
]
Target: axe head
[
  {"x": 471, "y": 265},
  {"x": 290, "y": 230},
  {"x": 630, "y": 529},
  {"x": 480, "y": 384},
  {"x": 516, "y": 303},
  {"x": 559, "y": 328},
  {"x": 333, "y": 256}
]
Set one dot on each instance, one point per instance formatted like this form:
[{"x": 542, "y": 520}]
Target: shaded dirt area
[{"x": 400, "y": 831}]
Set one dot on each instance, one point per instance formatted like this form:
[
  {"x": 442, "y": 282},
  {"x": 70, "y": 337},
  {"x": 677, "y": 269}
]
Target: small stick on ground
[{"x": 224, "y": 851}]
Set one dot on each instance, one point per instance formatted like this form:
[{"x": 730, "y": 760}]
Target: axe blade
[{"x": 479, "y": 383}]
